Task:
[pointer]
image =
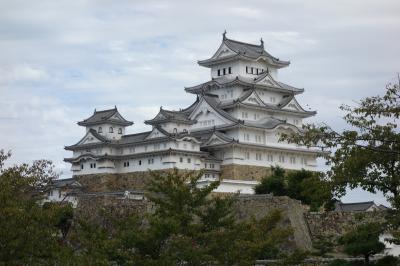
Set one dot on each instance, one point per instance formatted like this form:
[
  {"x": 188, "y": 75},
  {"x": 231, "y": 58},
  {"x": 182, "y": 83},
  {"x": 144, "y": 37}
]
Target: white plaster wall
[
  {"x": 235, "y": 69},
  {"x": 105, "y": 130},
  {"x": 57, "y": 195}
]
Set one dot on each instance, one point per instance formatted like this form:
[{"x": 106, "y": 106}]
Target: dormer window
[
  {"x": 111, "y": 130},
  {"x": 119, "y": 130},
  {"x": 100, "y": 130}
]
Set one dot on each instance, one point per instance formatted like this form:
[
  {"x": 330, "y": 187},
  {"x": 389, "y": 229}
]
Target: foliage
[
  {"x": 303, "y": 185},
  {"x": 366, "y": 155},
  {"x": 191, "y": 226},
  {"x": 363, "y": 240},
  {"x": 323, "y": 244},
  {"x": 188, "y": 225},
  {"x": 29, "y": 233}
]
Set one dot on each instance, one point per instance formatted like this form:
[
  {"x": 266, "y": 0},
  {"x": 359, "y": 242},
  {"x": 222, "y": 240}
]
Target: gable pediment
[
  {"x": 117, "y": 116},
  {"x": 293, "y": 105},
  {"x": 223, "y": 51},
  {"x": 155, "y": 133},
  {"x": 207, "y": 116},
  {"x": 215, "y": 140},
  {"x": 268, "y": 81},
  {"x": 253, "y": 98},
  {"x": 89, "y": 138}
]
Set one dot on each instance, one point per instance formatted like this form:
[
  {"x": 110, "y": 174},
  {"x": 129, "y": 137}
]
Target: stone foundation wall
[
  {"x": 334, "y": 224},
  {"x": 293, "y": 212},
  {"x": 117, "y": 182},
  {"x": 244, "y": 172},
  {"x": 246, "y": 207}
]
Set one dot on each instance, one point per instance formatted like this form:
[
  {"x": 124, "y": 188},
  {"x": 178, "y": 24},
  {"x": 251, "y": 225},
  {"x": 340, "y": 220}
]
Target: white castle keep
[{"x": 230, "y": 132}]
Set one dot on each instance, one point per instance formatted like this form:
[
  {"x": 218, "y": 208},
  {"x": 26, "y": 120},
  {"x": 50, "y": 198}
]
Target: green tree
[
  {"x": 364, "y": 240},
  {"x": 189, "y": 225},
  {"x": 273, "y": 184},
  {"x": 29, "y": 233},
  {"x": 302, "y": 185},
  {"x": 366, "y": 155}
]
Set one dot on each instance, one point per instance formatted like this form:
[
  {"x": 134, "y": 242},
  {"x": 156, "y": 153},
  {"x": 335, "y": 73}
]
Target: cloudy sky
[{"x": 61, "y": 59}]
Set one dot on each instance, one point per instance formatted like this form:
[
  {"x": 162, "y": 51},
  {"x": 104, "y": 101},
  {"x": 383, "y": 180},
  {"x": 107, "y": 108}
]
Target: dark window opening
[
  {"x": 100, "y": 130},
  {"x": 224, "y": 71},
  {"x": 219, "y": 72},
  {"x": 111, "y": 130},
  {"x": 230, "y": 70},
  {"x": 140, "y": 162},
  {"x": 119, "y": 130}
]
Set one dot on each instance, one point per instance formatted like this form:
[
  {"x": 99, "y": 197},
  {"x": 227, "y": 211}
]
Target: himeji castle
[{"x": 231, "y": 131}]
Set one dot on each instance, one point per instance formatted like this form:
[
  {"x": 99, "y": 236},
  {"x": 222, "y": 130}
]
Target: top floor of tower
[{"x": 234, "y": 58}]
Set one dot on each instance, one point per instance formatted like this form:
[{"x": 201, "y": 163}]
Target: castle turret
[{"x": 108, "y": 123}]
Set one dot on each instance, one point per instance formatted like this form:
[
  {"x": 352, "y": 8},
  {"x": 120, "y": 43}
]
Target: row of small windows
[
  {"x": 188, "y": 160},
  {"x": 211, "y": 165},
  {"x": 110, "y": 130},
  {"x": 258, "y": 138},
  {"x": 254, "y": 70},
  {"x": 224, "y": 71},
  {"x": 281, "y": 158}
]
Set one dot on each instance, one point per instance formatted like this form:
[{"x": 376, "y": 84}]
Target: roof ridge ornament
[
  {"x": 224, "y": 35},
  {"x": 262, "y": 43}
]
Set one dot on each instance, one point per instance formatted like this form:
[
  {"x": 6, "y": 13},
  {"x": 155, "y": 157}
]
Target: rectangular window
[
  {"x": 270, "y": 158},
  {"x": 224, "y": 71},
  {"x": 247, "y": 70},
  {"x": 181, "y": 160},
  {"x": 219, "y": 72},
  {"x": 258, "y": 156},
  {"x": 281, "y": 158},
  {"x": 189, "y": 160},
  {"x": 252, "y": 70},
  {"x": 230, "y": 70},
  {"x": 257, "y": 71},
  {"x": 140, "y": 162},
  {"x": 292, "y": 160}
]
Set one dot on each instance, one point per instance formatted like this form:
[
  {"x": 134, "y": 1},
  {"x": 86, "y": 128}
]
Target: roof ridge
[
  {"x": 107, "y": 110},
  {"x": 135, "y": 134},
  {"x": 361, "y": 202},
  {"x": 240, "y": 42}
]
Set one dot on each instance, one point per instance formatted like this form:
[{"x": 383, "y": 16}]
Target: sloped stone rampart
[{"x": 246, "y": 207}]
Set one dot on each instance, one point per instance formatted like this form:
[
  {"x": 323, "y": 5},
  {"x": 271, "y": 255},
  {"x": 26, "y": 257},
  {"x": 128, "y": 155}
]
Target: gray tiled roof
[
  {"x": 103, "y": 116},
  {"x": 353, "y": 207},
  {"x": 68, "y": 182},
  {"x": 226, "y": 81},
  {"x": 246, "y": 51},
  {"x": 181, "y": 116}
]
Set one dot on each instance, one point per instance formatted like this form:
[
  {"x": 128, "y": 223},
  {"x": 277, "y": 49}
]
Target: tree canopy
[
  {"x": 188, "y": 225},
  {"x": 363, "y": 240},
  {"x": 367, "y": 154},
  {"x": 302, "y": 185}
]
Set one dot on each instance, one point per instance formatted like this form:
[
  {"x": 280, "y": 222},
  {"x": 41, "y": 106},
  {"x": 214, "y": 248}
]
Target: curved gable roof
[
  {"x": 111, "y": 116},
  {"x": 245, "y": 51}
]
